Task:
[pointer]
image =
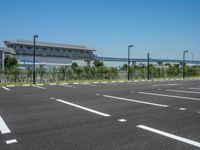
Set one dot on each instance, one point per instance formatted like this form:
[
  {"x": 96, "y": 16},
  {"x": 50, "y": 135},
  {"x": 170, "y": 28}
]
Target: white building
[{"x": 49, "y": 53}]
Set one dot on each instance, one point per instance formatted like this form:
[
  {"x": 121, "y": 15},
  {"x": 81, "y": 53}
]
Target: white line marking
[
  {"x": 192, "y": 92},
  {"x": 136, "y": 101},
  {"x": 26, "y": 85},
  {"x": 11, "y": 141},
  {"x": 86, "y": 83},
  {"x": 175, "y": 137},
  {"x": 10, "y": 85},
  {"x": 76, "y": 83},
  {"x": 84, "y": 108},
  {"x": 5, "y": 88},
  {"x": 165, "y": 84},
  {"x": 66, "y": 85},
  {"x": 173, "y": 96},
  {"x": 39, "y": 87},
  {"x": 194, "y": 88},
  {"x": 104, "y": 82},
  {"x": 52, "y": 84},
  {"x": 114, "y": 81},
  {"x": 3, "y": 127},
  {"x": 122, "y": 120},
  {"x": 182, "y": 109}
]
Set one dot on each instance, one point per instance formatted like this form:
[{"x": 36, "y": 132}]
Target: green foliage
[
  {"x": 10, "y": 62},
  {"x": 98, "y": 63},
  {"x": 74, "y": 65}
]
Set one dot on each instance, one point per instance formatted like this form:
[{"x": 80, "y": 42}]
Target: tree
[
  {"x": 11, "y": 69},
  {"x": 74, "y": 65},
  {"x": 10, "y": 62},
  {"x": 98, "y": 63}
]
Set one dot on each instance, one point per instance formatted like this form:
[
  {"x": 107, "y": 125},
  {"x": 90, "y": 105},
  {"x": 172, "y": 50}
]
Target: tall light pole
[
  {"x": 184, "y": 63},
  {"x": 148, "y": 58},
  {"x": 128, "y": 66},
  {"x": 34, "y": 37}
]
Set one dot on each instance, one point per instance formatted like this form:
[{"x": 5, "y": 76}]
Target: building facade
[{"x": 49, "y": 53}]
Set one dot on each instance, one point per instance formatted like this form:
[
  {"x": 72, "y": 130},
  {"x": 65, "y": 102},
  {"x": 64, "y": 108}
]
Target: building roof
[
  {"x": 7, "y": 50},
  {"x": 49, "y": 44}
]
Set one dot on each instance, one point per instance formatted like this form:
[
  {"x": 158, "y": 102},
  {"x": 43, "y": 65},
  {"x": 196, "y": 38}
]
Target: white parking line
[
  {"x": 26, "y": 85},
  {"x": 75, "y": 83},
  {"x": 173, "y": 96},
  {"x": 175, "y": 137},
  {"x": 3, "y": 127},
  {"x": 104, "y": 82},
  {"x": 52, "y": 84},
  {"x": 165, "y": 84},
  {"x": 192, "y": 92},
  {"x": 122, "y": 120},
  {"x": 194, "y": 88},
  {"x": 136, "y": 101},
  {"x": 182, "y": 109},
  {"x": 10, "y": 85},
  {"x": 5, "y": 88},
  {"x": 39, "y": 87},
  {"x": 66, "y": 85},
  {"x": 84, "y": 108},
  {"x": 11, "y": 141}
]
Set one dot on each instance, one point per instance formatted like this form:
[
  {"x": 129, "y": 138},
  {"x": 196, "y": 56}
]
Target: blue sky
[{"x": 162, "y": 27}]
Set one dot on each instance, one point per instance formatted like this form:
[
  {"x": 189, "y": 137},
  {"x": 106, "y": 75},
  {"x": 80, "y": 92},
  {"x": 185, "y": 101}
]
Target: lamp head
[
  {"x": 130, "y": 45},
  {"x": 35, "y": 36}
]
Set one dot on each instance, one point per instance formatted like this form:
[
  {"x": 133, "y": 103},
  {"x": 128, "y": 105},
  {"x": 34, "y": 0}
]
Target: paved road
[{"x": 111, "y": 116}]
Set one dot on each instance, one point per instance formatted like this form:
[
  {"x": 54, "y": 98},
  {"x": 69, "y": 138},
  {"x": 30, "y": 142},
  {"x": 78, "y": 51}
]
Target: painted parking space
[{"x": 39, "y": 117}]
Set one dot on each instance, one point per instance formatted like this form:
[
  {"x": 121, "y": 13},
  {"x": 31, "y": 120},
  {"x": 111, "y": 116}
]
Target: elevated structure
[
  {"x": 134, "y": 60},
  {"x": 49, "y": 53},
  {"x": 3, "y": 53}
]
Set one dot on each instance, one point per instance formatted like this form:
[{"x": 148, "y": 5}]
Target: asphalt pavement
[{"x": 148, "y": 115}]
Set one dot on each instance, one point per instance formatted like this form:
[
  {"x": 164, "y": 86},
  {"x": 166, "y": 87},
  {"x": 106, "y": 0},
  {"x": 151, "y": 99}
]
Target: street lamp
[
  {"x": 128, "y": 66},
  {"x": 148, "y": 72},
  {"x": 34, "y": 37},
  {"x": 184, "y": 63}
]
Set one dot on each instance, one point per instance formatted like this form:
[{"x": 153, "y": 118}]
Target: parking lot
[{"x": 148, "y": 115}]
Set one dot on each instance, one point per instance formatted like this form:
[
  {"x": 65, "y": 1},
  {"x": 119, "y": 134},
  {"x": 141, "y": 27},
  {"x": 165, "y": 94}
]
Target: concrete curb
[{"x": 103, "y": 82}]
